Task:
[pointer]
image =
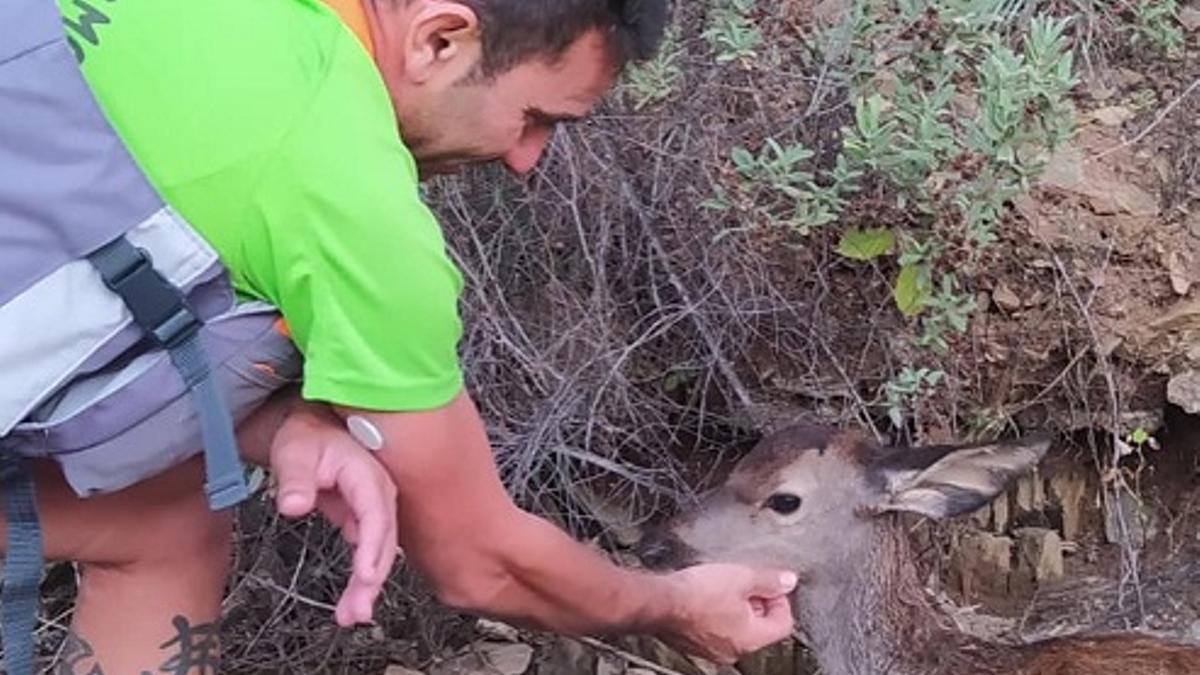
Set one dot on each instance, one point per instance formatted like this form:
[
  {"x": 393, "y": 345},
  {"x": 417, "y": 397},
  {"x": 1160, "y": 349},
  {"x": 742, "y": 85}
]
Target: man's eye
[{"x": 783, "y": 503}]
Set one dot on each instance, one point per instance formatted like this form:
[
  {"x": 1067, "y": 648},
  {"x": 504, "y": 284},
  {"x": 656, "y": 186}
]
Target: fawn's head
[{"x": 809, "y": 498}]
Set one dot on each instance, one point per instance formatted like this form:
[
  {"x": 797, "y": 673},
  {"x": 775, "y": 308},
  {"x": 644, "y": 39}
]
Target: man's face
[{"x": 509, "y": 117}]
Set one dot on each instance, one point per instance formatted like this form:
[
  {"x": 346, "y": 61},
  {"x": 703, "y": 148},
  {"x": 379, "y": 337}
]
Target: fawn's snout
[{"x": 662, "y": 549}]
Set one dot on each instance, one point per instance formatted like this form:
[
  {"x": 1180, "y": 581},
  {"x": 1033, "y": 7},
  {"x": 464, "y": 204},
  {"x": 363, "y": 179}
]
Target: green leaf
[
  {"x": 859, "y": 244},
  {"x": 743, "y": 159},
  {"x": 912, "y": 290},
  {"x": 1140, "y": 437}
]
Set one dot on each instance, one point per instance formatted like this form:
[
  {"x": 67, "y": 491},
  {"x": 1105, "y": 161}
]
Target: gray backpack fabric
[
  {"x": 122, "y": 347},
  {"x": 120, "y": 425}
]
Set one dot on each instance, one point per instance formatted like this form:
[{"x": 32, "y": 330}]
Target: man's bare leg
[
  {"x": 154, "y": 559},
  {"x": 153, "y": 562}
]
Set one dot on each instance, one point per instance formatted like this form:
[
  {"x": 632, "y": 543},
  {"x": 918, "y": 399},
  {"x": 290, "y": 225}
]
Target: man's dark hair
[{"x": 515, "y": 31}]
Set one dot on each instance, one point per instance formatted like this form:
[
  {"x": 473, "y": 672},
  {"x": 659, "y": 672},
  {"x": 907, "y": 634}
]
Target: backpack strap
[
  {"x": 22, "y": 564},
  {"x": 158, "y": 307}
]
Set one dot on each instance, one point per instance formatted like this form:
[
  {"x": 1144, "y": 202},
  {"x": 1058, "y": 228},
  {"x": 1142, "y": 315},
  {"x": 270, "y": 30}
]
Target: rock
[
  {"x": 1069, "y": 171},
  {"x": 1127, "y": 521},
  {"x": 1189, "y": 18},
  {"x": 609, "y": 665},
  {"x": 1127, "y": 77},
  {"x": 506, "y": 658},
  {"x": 1113, "y": 115},
  {"x": 1030, "y": 494},
  {"x": 489, "y": 658},
  {"x": 1039, "y": 556},
  {"x": 993, "y": 516},
  {"x": 982, "y": 516},
  {"x": 1179, "y": 267},
  {"x": 1117, "y": 197},
  {"x": 982, "y": 563},
  {"x": 1006, "y": 298},
  {"x": 1065, "y": 169},
  {"x": 1184, "y": 391},
  {"x": 495, "y": 630},
  {"x": 1066, "y": 489},
  {"x": 568, "y": 657},
  {"x": 1000, "y": 514},
  {"x": 401, "y": 670}
]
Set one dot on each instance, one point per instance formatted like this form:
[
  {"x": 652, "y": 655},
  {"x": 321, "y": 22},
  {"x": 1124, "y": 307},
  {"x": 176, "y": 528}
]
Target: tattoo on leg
[
  {"x": 193, "y": 651},
  {"x": 76, "y": 654}
]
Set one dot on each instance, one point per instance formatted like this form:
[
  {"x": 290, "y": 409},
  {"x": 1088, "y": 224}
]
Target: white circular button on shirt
[{"x": 365, "y": 432}]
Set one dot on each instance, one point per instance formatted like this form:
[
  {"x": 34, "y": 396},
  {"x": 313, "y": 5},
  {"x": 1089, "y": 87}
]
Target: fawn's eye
[{"x": 783, "y": 503}]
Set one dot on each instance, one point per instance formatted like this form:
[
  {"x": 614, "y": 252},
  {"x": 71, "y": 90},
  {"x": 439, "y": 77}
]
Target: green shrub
[{"x": 957, "y": 107}]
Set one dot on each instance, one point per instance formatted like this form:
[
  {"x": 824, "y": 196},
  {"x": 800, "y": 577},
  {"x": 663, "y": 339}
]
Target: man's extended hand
[
  {"x": 319, "y": 465},
  {"x": 726, "y": 611}
]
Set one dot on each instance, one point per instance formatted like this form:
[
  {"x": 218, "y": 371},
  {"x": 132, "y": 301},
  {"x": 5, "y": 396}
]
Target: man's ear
[
  {"x": 944, "y": 481},
  {"x": 442, "y": 38}
]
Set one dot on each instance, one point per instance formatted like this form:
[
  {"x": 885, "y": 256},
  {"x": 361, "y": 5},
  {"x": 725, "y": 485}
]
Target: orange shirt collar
[{"x": 355, "y": 18}]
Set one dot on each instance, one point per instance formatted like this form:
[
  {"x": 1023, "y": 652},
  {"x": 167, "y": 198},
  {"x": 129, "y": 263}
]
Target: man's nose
[{"x": 525, "y": 154}]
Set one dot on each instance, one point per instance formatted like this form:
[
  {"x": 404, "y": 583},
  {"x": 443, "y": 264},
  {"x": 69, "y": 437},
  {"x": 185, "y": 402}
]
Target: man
[{"x": 271, "y": 125}]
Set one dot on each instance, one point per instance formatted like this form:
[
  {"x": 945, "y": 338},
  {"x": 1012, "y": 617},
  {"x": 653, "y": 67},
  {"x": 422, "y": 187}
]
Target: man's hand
[
  {"x": 725, "y": 611},
  {"x": 319, "y": 465}
]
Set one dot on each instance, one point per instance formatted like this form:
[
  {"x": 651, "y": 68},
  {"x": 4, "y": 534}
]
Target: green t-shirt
[{"x": 267, "y": 126}]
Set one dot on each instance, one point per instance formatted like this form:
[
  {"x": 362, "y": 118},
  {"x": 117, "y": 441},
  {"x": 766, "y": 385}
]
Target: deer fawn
[{"x": 826, "y": 505}]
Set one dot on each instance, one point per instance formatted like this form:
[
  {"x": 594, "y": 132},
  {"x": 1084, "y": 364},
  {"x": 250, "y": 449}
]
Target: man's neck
[{"x": 354, "y": 15}]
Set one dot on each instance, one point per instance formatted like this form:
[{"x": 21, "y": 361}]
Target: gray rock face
[
  {"x": 983, "y": 562},
  {"x": 1184, "y": 391},
  {"x": 1039, "y": 556}
]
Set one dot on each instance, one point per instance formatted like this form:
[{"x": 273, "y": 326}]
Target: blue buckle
[{"x": 156, "y": 304}]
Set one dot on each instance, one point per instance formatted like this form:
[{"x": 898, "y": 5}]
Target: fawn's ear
[{"x": 944, "y": 481}]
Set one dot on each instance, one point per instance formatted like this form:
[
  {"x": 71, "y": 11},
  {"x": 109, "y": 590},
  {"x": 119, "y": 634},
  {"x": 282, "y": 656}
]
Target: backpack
[{"x": 123, "y": 348}]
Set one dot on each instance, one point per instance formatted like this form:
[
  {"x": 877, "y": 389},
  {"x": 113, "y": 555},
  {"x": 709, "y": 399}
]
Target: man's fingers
[
  {"x": 296, "y": 474},
  {"x": 767, "y": 584},
  {"x": 758, "y": 606},
  {"x": 770, "y": 606},
  {"x": 357, "y": 603},
  {"x": 778, "y": 617},
  {"x": 374, "y": 511},
  {"x": 369, "y": 523},
  {"x": 335, "y": 510}
]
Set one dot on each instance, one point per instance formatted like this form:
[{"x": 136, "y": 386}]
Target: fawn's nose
[{"x": 660, "y": 549}]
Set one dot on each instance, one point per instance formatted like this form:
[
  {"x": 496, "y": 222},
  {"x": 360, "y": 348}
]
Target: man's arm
[{"x": 459, "y": 526}]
